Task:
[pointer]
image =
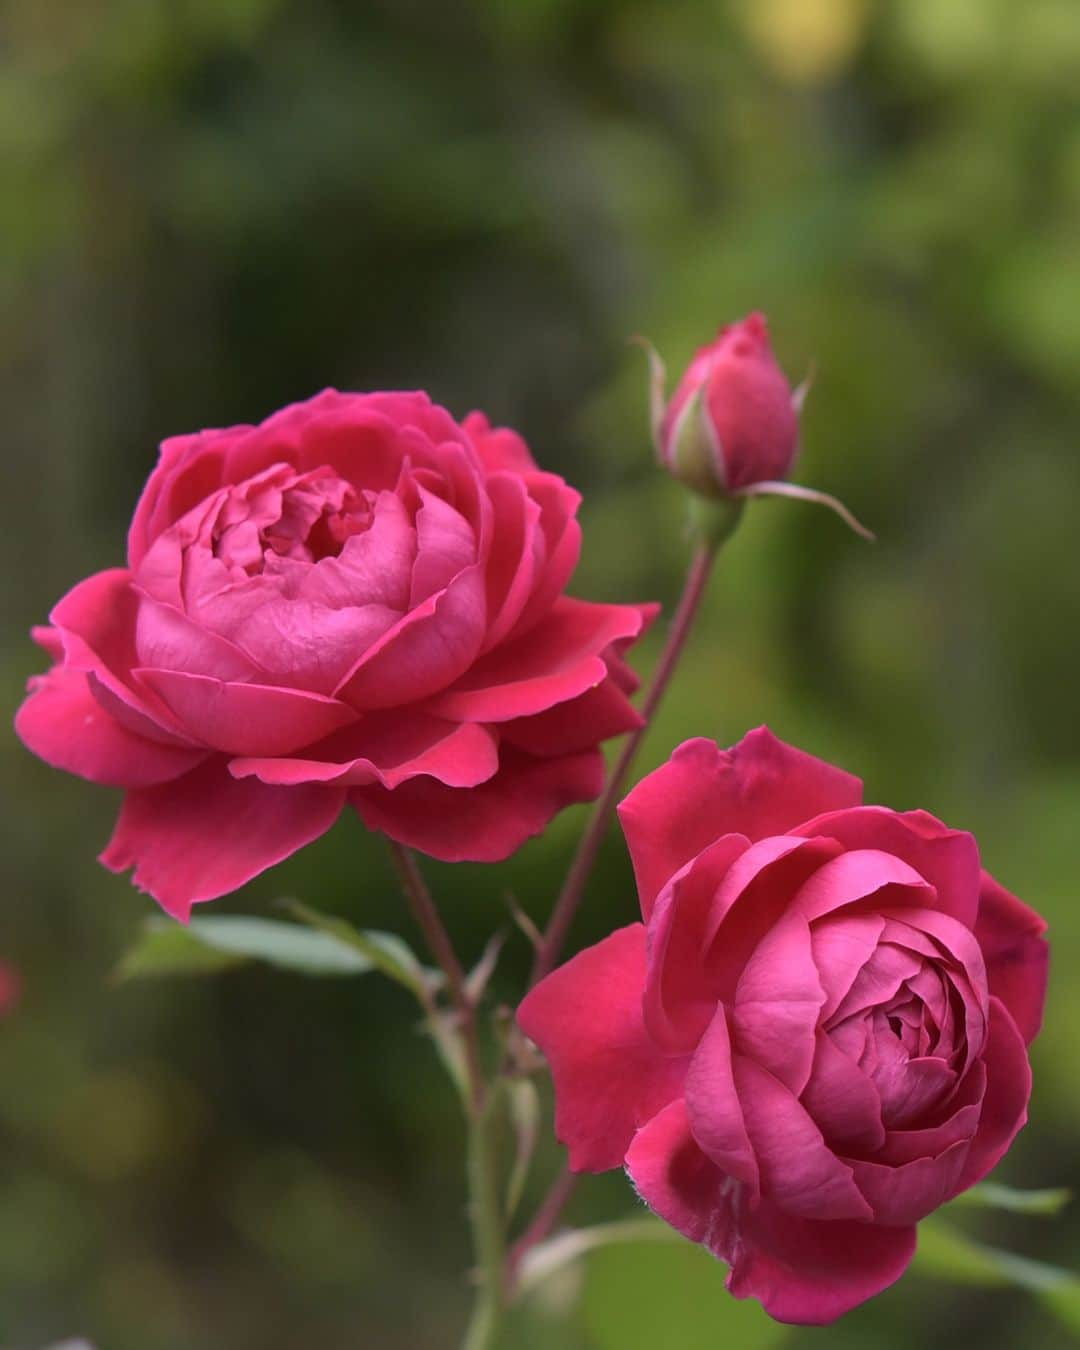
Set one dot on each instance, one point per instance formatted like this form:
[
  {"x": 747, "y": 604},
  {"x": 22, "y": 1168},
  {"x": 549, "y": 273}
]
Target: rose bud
[
  {"x": 731, "y": 429},
  {"x": 817, "y": 1034},
  {"x": 359, "y": 602}
]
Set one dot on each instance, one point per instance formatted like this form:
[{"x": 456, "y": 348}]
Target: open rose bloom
[
  {"x": 816, "y": 1036},
  {"x": 360, "y": 600}
]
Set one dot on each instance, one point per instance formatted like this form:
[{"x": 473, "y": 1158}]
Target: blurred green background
[{"x": 211, "y": 207}]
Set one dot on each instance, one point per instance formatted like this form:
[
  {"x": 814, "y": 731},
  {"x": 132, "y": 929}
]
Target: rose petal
[
  {"x": 460, "y": 756},
  {"x": 811, "y": 1273},
  {"x": 758, "y": 788},
  {"x": 908, "y": 1193},
  {"x": 431, "y": 647},
  {"x": 947, "y": 860},
  {"x": 558, "y": 659},
  {"x": 205, "y": 834},
  {"x": 576, "y": 725},
  {"x": 485, "y": 823},
  {"x": 799, "y": 1172},
  {"x": 680, "y": 993},
  {"x": 1008, "y": 1090},
  {"x": 842, "y": 944},
  {"x": 609, "y": 1077},
  {"x": 675, "y": 1178},
  {"x": 1011, "y": 937},
  {"x": 713, "y": 1107},
  {"x": 247, "y": 719},
  {"x": 777, "y": 1003},
  {"x": 801, "y": 1271},
  {"x": 62, "y": 723},
  {"x": 842, "y": 1101}
]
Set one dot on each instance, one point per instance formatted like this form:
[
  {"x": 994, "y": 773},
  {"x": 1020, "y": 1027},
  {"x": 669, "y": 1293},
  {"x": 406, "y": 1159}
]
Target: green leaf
[
  {"x": 992, "y": 1195},
  {"x": 207, "y": 946},
  {"x": 385, "y": 952},
  {"x": 945, "y": 1253}
]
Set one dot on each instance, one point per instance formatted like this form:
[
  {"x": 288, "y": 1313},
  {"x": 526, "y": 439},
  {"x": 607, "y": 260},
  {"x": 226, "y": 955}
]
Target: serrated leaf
[
  {"x": 386, "y": 952},
  {"x": 209, "y": 945},
  {"x": 993, "y": 1195}
]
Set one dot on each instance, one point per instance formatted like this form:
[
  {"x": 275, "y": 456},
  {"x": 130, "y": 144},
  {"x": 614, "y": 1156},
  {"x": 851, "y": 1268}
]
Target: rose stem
[
  {"x": 562, "y": 916},
  {"x": 484, "y": 1210},
  {"x": 543, "y": 1221}
]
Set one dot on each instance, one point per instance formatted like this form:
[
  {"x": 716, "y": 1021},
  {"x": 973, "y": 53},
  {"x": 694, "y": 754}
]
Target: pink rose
[
  {"x": 733, "y": 420},
  {"x": 816, "y": 1037},
  {"x": 358, "y": 600}
]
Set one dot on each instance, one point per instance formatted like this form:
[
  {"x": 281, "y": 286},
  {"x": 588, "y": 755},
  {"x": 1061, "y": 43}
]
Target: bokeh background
[{"x": 209, "y": 208}]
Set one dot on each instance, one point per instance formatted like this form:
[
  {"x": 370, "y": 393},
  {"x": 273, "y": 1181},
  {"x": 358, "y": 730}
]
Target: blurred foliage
[{"x": 211, "y": 207}]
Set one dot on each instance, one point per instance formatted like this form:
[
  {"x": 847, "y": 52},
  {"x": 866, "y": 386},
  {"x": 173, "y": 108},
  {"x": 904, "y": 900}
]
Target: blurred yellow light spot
[{"x": 806, "y": 41}]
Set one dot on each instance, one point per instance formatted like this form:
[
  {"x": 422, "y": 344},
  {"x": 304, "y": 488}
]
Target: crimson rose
[
  {"x": 816, "y": 1037},
  {"x": 359, "y": 600}
]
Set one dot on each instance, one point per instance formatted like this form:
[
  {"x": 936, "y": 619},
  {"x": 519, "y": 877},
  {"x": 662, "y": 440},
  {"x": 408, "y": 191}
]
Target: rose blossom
[
  {"x": 818, "y": 1033},
  {"x": 359, "y": 600}
]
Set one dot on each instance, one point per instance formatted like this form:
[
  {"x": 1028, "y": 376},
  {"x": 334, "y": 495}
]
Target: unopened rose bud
[
  {"x": 732, "y": 421},
  {"x": 731, "y": 429}
]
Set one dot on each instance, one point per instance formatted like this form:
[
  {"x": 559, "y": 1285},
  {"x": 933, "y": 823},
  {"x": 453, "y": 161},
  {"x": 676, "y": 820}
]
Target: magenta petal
[
  {"x": 598, "y": 714},
  {"x": 778, "y": 1001},
  {"x": 811, "y": 1273},
  {"x": 675, "y": 1178},
  {"x": 445, "y": 546},
  {"x": 799, "y": 1172},
  {"x": 169, "y": 640},
  {"x": 1011, "y": 937},
  {"x": 842, "y": 944},
  {"x": 758, "y": 788},
  {"x": 67, "y": 727},
  {"x": 909, "y": 1192},
  {"x": 855, "y": 876},
  {"x": 559, "y": 659},
  {"x": 948, "y": 860},
  {"x": 609, "y": 1077},
  {"x": 485, "y": 823},
  {"x": 1008, "y": 1090},
  {"x": 842, "y": 1101},
  {"x": 428, "y": 650},
  {"x": 680, "y": 994},
  {"x": 205, "y": 834},
  {"x": 247, "y": 719},
  {"x": 459, "y": 756},
  {"x": 713, "y": 1107}
]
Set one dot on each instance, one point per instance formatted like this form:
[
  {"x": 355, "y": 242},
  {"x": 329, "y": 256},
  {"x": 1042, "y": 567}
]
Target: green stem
[{"x": 489, "y": 1240}]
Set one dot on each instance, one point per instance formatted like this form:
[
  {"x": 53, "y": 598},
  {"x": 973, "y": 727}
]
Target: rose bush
[
  {"x": 359, "y": 600},
  {"x": 816, "y": 1036}
]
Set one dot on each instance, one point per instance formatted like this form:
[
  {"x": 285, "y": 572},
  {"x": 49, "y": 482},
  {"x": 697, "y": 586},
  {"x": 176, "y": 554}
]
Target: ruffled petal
[
  {"x": 713, "y": 1109},
  {"x": 609, "y": 1077},
  {"x": 760, "y": 787},
  {"x": 1017, "y": 957},
  {"x": 557, "y": 660},
  {"x": 1008, "y": 1091},
  {"x": 62, "y": 723},
  {"x": 799, "y": 1172},
  {"x": 810, "y": 1273},
  {"x": 247, "y": 719},
  {"x": 457, "y": 755},
  {"x": 485, "y": 823},
  {"x": 947, "y": 860},
  {"x": 206, "y": 834},
  {"x": 680, "y": 991}
]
